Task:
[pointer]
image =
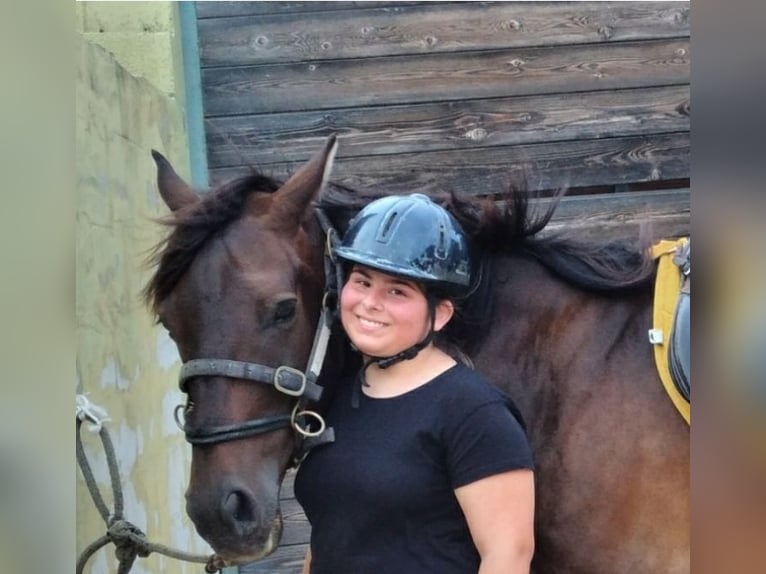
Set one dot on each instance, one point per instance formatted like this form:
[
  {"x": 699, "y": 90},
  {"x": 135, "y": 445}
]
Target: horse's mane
[
  {"x": 500, "y": 225},
  {"x": 507, "y": 224},
  {"x": 193, "y": 226}
]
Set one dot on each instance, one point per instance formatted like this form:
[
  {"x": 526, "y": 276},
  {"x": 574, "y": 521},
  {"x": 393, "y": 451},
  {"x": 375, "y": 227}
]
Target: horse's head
[{"x": 240, "y": 280}]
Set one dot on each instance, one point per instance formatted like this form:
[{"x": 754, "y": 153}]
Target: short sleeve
[{"x": 488, "y": 441}]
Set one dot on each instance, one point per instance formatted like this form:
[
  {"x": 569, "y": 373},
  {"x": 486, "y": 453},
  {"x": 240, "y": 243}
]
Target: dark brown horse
[{"x": 241, "y": 277}]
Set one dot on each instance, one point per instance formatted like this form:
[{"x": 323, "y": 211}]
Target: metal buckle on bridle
[
  {"x": 284, "y": 379},
  {"x": 329, "y": 239}
]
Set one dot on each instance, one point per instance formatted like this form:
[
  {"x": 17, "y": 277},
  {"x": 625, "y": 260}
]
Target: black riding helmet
[{"x": 412, "y": 237}]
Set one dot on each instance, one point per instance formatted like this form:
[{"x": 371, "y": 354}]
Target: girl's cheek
[
  {"x": 345, "y": 295},
  {"x": 347, "y": 300}
]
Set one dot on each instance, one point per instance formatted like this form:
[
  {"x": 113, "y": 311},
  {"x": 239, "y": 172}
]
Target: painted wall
[
  {"x": 128, "y": 101},
  {"x": 143, "y": 37}
]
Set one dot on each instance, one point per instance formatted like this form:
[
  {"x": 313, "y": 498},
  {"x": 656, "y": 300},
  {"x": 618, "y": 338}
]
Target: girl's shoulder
[
  {"x": 465, "y": 390},
  {"x": 462, "y": 383}
]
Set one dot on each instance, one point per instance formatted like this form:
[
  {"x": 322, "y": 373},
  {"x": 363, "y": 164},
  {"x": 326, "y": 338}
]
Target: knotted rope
[{"x": 130, "y": 542}]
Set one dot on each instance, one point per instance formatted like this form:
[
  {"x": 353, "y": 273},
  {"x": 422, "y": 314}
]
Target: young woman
[{"x": 430, "y": 471}]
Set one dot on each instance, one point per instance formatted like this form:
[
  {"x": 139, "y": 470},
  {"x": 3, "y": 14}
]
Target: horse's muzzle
[{"x": 239, "y": 527}]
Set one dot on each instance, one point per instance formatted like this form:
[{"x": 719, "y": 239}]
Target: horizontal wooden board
[
  {"x": 582, "y": 209},
  {"x": 622, "y": 215},
  {"x": 484, "y": 171},
  {"x": 433, "y": 28},
  {"x": 444, "y": 77},
  {"x": 296, "y": 529},
  {"x": 284, "y": 560},
  {"x": 209, "y": 9},
  {"x": 270, "y": 138},
  {"x": 288, "y": 485}
]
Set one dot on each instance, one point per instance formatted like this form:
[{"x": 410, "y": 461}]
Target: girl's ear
[{"x": 443, "y": 313}]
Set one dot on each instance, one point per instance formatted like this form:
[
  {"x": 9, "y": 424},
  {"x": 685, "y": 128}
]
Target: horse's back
[{"x": 611, "y": 451}]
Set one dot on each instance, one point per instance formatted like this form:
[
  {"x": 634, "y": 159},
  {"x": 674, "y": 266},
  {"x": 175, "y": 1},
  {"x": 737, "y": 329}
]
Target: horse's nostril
[{"x": 239, "y": 506}]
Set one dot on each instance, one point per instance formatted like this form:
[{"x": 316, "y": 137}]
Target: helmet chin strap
[
  {"x": 406, "y": 355},
  {"x": 410, "y": 352}
]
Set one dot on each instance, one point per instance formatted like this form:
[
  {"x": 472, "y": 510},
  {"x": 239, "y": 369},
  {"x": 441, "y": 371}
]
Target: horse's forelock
[{"x": 193, "y": 226}]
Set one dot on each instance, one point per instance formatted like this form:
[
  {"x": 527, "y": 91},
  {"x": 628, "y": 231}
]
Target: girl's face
[{"x": 383, "y": 314}]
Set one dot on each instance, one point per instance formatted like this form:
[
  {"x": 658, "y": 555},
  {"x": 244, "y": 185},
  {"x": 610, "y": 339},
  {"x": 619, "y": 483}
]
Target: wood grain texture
[
  {"x": 284, "y": 560},
  {"x": 207, "y": 9},
  {"x": 272, "y": 138},
  {"x": 431, "y": 28},
  {"x": 606, "y": 161},
  {"x": 444, "y": 77},
  {"x": 665, "y": 214}
]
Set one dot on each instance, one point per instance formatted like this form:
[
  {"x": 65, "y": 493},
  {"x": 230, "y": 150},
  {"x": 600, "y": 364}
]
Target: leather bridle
[{"x": 287, "y": 380}]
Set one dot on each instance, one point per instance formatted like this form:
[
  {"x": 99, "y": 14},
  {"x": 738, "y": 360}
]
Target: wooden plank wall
[
  {"x": 440, "y": 96},
  {"x": 437, "y": 96}
]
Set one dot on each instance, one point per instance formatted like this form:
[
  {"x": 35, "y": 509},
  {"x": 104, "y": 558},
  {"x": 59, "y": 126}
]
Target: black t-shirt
[{"x": 381, "y": 497}]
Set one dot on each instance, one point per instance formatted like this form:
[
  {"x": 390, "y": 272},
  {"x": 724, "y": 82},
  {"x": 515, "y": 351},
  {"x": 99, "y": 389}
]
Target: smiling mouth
[{"x": 370, "y": 322}]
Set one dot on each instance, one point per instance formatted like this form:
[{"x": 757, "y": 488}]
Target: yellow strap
[{"x": 666, "y": 292}]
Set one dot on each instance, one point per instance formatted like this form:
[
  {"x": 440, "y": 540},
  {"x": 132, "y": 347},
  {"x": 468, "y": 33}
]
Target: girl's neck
[{"x": 405, "y": 376}]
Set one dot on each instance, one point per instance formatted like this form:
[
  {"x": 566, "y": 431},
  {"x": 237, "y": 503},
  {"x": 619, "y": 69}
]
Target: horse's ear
[
  {"x": 292, "y": 199},
  {"x": 174, "y": 191}
]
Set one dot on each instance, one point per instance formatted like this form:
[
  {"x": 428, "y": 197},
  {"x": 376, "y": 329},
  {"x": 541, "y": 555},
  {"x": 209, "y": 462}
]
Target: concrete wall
[
  {"x": 142, "y": 36},
  {"x": 129, "y": 100}
]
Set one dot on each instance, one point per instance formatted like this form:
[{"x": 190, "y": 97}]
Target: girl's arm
[{"x": 500, "y": 512}]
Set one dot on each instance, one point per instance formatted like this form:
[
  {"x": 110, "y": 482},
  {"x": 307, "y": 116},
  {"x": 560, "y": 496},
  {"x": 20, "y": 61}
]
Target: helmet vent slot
[
  {"x": 387, "y": 225},
  {"x": 441, "y": 249}
]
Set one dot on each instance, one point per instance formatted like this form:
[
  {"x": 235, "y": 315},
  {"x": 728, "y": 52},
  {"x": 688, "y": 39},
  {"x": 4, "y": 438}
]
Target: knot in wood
[
  {"x": 326, "y": 45},
  {"x": 606, "y": 32},
  {"x": 476, "y": 134},
  {"x": 261, "y": 41},
  {"x": 517, "y": 62},
  {"x": 681, "y": 17}
]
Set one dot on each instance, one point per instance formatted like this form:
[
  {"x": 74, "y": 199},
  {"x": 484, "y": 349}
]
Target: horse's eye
[
  {"x": 284, "y": 311},
  {"x": 161, "y": 321}
]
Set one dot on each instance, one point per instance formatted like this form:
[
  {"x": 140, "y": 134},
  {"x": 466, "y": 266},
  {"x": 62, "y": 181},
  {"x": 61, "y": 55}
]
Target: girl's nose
[{"x": 372, "y": 300}]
